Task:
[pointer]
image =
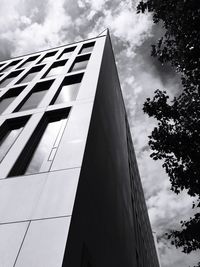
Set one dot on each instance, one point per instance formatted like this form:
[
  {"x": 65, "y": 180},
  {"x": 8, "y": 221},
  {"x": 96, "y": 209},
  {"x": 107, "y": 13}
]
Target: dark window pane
[
  {"x": 34, "y": 100},
  {"x": 79, "y": 65},
  {"x": 67, "y": 93},
  {"x": 86, "y": 49},
  {"x": 6, "y": 81},
  {"x": 44, "y": 147},
  {"x": 29, "y": 77},
  {"x": 5, "y": 102},
  {"x": 31, "y": 74},
  {"x": 28, "y": 61},
  {"x": 11, "y": 65},
  {"x": 48, "y": 57},
  {"x": 55, "y": 71},
  {"x": 9, "y": 78},
  {"x": 67, "y": 53},
  {"x": 8, "y": 140},
  {"x": 1, "y": 65}
]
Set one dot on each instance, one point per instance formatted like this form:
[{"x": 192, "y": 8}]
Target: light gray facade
[{"x": 66, "y": 186}]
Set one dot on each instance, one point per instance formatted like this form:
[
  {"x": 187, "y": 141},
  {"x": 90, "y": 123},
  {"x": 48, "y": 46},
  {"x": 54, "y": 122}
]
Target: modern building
[{"x": 70, "y": 192}]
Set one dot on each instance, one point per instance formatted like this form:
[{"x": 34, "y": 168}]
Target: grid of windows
[{"x": 38, "y": 153}]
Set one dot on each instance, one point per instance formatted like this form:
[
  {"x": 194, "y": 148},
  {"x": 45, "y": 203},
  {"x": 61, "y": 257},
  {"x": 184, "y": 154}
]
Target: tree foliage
[{"x": 176, "y": 139}]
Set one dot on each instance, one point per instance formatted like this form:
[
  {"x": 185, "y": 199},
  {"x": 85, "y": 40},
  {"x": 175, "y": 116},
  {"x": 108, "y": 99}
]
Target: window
[
  {"x": 56, "y": 69},
  {"x": 68, "y": 89},
  {"x": 9, "y": 132},
  {"x": 9, "y": 97},
  {"x": 11, "y": 65},
  {"x": 80, "y": 63},
  {"x": 30, "y": 75},
  {"x": 35, "y": 96},
  {"x": 67, "y": 53},
  {"x": 42, "y": 146},
  {"x": 87, "y": 48},
  {"x": 48, "y": 57},
  {"x": 1, "y": 65},
  {"x": 9, "y": 78},
  {"x": 28, "y": 61}
]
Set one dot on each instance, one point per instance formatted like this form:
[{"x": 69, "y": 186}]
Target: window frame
[
  {"x": 27, "y": 153},
  {"x": 38, "y": 87},
  {"x": 10, "y": 124}
]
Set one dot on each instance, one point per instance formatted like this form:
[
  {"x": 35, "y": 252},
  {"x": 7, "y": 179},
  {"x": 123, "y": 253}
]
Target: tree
[{"x": 176, "y": 139}]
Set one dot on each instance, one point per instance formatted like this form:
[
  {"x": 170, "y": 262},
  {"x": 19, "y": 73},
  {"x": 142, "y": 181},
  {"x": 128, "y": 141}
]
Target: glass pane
[
  {"x": 6, "y": 81},
  {"x": 67, "y": 93},
  {"x": 26, "y": 64},
  {"x": 8, "y": 68},
  {"x": 55, "y": 71},
  {"x": 87, "y": 49},
  {"x": 8, "y": 140},
  {"x": 44, "y": 146},
  {"x": 66, "y": 55},
  {"x": 33, "y": 100},
  {"x": 30, "y": 76},
  {"x": 5, "y": 102},
  {"x": 47, "y": 59},
  {"x": 80, "y": 65}
]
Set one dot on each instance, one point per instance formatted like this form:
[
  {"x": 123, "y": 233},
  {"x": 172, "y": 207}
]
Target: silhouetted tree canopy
[{"x": 176, "y": 139}]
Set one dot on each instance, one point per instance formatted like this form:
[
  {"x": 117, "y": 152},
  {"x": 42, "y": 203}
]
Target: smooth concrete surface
[
  {"x": 44, "y": 243},
  {"x": 11, "y": 238},
  {"x": 57, "y": 197}
]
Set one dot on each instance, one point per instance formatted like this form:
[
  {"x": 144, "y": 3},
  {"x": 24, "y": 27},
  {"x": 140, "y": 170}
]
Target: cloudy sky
[{"x": 30, "y": 25}]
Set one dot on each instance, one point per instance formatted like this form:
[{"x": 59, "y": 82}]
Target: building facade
[{"x": 70, "y": 192}]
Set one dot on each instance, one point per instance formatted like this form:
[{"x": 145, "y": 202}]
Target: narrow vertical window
[
  {"x": 67, "y": 53},
  {"x": 56, "y": 69},
  {"x": 48, "y": 57},
  {"x": 80, "y": 63},
  {"x": 68, "y": 89},
  {"x": 28, "y": 62},
  {"x": 11, "y": 65},
  {"x": 31, "y": 74},
  {"x": 1, "y": 65},
  {"x": 9, "y": 132},
  {"x": 42, "y": 145},
  {"x": 9, "y": 97},
  {"x": 87, "y": 48},
  {"x": 33, "y": 99},
  {"x": 9, "y": 78}
]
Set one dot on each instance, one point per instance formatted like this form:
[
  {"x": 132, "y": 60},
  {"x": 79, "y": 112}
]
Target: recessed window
[
  {"x": 31, "y": 75},
  {"x": 68, "y": 89},
  {"x": 44, "y": 141},
  {"x": 28, "y": 62},
  {"x": 80, "y": 63},
  {"x": 11, "y": 65},
  {"x": 48, "y": 57},
  {"x": 9, "y": 97},
  {"x": 9, "y": 78},
  {"x": 9, "y": 132},
  {"x": 33, "y": 99},
  {"x": 56, "y": 69},
  {"x": 1, "y": 65},
  {"x": 87, "y": 48},
  {"x": 67, "y": 53}
]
